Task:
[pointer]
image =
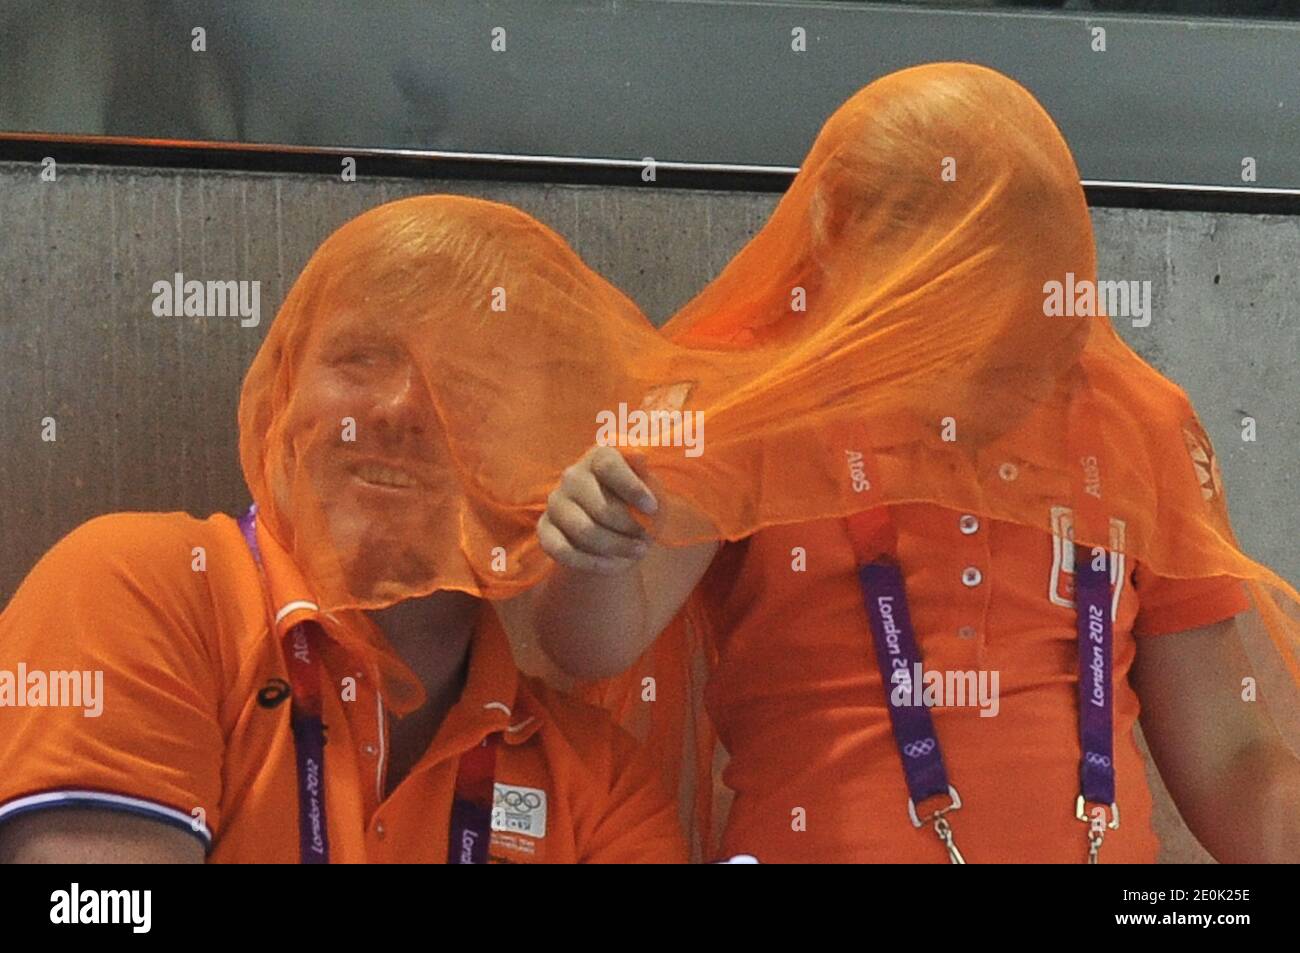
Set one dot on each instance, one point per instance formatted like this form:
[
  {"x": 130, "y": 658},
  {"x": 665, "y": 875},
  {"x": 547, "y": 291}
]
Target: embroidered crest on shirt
[
  {"x": 518, "y": 810},
  {"x": 1061, "y": 587},
  {"x": 1204, "y": 462}
]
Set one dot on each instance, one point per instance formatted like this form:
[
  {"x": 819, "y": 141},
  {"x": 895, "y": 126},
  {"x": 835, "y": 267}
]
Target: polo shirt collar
[
  {"x": 292, "y": 601},
  {"x": 491, "y": 700}
]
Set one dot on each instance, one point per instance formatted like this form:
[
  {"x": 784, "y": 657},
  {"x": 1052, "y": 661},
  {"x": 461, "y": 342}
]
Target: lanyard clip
[
  {"x": 1097, "y": 824},
  {"x": 942, "y": 829}
]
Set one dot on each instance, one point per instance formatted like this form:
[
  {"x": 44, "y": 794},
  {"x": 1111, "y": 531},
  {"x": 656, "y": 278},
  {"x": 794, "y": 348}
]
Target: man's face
[
  {"x": 1026, "y": 367},
  {"x": 357, "y": 439}
]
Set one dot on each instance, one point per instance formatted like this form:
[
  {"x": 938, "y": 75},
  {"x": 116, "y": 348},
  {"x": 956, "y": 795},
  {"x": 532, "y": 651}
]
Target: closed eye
[{"x": 357, "y": 357}]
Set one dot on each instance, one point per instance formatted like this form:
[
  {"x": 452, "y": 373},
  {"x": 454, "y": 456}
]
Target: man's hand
[
  {"x": 614, "y": 589},
  {"x": 587, "y": 526}
]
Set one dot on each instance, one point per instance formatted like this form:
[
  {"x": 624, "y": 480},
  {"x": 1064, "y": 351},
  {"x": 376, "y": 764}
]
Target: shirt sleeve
[
  {"x": 639, "y": 824},
  {"x": 112, "y": 696},
  {"x": 1167, "y": 605}
]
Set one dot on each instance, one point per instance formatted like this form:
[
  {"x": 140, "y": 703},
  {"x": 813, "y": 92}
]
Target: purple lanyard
[
  {"x": 914, "y": 735},
  {"x": 471, "y": 809},
  {"x": 897, "y": 656},
  {"x": 303, "y": 660},
  {"x": 309, "y": 746},
  {"x": 471, "y": 812},
  {"x": 1092, "y": 601}
]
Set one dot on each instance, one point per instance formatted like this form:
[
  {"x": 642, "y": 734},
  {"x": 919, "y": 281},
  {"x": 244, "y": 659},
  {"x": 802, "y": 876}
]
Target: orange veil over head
[
  {"x": 920, "y": 321},
  {"x": 919, "y": 314},
  {"x": 462, "y": 348}
]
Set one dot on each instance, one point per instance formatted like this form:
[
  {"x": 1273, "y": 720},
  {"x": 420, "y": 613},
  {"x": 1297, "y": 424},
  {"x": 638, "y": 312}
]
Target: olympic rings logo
[
  {"x": 919, "y": 749},
  {"x": 519, "y": 800},
  {"x": 1098, "y": 760}
]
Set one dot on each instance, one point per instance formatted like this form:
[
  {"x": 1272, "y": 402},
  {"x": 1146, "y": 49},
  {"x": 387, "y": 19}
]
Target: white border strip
[
  {"x": 289, "y": 607},
  {"x": 554, "y": 160},
  {"x": 1187, "y": 187},
  {"x": 381, "y": 769},
  {"x": 115, "y": 801}
]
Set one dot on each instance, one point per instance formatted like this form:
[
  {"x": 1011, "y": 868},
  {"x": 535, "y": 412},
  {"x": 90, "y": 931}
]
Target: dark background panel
[{"x": 1173, "y": 99}]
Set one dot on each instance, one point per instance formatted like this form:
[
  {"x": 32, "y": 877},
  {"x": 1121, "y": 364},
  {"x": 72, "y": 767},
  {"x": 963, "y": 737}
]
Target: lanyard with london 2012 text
[
  {"x": 471, "y": 812},
  {"x": 913, "y": 728}
]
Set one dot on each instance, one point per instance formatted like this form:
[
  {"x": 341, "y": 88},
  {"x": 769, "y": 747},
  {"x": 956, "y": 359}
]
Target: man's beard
[{"x": 381, "y": 568}]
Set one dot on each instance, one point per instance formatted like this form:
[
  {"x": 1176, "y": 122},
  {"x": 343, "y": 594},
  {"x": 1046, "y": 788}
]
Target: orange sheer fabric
[
  {"x": 888, "y": 333},
  {"x": 921, "y": 305}
]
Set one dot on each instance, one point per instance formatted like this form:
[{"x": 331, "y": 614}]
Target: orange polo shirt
[
  {"x": 193, "y": 730},
  {"x": 800, "y": 705}
]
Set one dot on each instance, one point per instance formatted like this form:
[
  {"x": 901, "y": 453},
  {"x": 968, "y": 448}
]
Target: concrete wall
[{"x": 145, "y": 406}]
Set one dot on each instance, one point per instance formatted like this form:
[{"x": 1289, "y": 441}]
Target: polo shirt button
[
  {"x": 370, "y": 750},
  {"x": 1008, "y": 471},
  {"x": 970, "y": 577},
  {"x": 968, "y": 524},
  {"x": 379, "y": 829},
  {"x": 966, "y": 632}
]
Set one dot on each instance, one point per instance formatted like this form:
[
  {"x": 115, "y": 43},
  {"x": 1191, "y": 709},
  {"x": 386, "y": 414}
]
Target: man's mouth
[{"x": 385, "y": 476}]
